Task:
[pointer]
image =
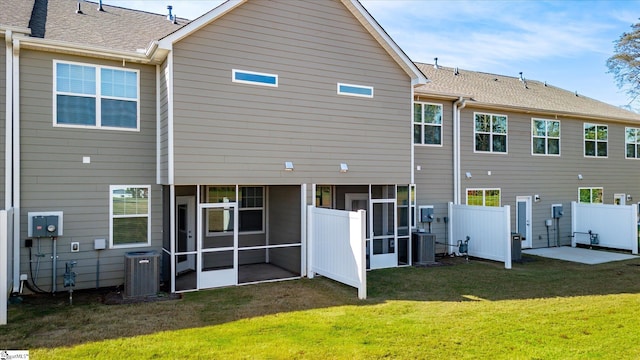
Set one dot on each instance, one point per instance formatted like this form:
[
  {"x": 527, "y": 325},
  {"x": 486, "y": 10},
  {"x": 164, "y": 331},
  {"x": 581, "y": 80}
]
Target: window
[
  {"x": 545, "y": 137},
  {"x": 483, "y": 197},
  {"x": 593, "y": 195},
  {"x": 490, "y": 133},
  {"x": 595, "y": 140},
  {"x": 254, "y": 78},
  {"x": 130, "y": 213},
  {"x": 324, "y": 196},
  {"x": 95, "y": 96},
  {"x": 632, "y": 142},
  {"x": 427, "y": 124},
  {"x": 250, "y": 201},
  {"x": 355, "y": 90}
]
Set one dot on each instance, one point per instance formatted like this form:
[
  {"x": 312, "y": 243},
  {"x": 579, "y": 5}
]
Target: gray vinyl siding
[
  {"x": 434, "y": 182},
  {"x": 164, "y": 125},
  {"x": 228, "y": 133},
  {"x": 553, "y": 178},
  {"x": 54, "y": 177}
]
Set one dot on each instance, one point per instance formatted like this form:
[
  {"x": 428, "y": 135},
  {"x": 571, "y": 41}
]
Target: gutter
[{"x": 457, "y": 106}]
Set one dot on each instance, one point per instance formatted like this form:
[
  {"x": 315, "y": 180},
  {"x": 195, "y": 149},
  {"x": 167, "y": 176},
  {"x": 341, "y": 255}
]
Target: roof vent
[
  {"x": 545, "y": 83},
  {"x": 577, "y": 93},
  {"x": 100, "y": 6},
  {"x": 435, "y": 63},
  {"x": 78, "y": 10},
  {"x": 521, "y": 77},
  {"x": 170, "y": 17},
  {"x": 456, "y": 71}
]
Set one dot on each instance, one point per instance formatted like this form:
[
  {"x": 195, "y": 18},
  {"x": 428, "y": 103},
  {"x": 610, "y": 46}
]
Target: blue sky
[{"x": 565, "y": 43}]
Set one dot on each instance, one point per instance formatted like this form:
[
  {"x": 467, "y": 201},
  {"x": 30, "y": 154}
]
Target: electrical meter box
[
  {"x": 426, "y": 214},
  {"x": 44, "y": 226},
  {"x": 557, "y": 211}
]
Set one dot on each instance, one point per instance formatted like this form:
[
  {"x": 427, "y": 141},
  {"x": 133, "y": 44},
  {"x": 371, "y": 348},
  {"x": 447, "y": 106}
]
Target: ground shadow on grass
[{"x": 45, "y": 321}]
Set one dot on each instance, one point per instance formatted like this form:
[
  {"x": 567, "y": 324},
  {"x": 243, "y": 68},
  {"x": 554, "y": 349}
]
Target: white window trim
[
  {"x": 237, "y": 202},
  {"x": 546, "y": 137},
  {"x": 491, "y": 133},
  {"x": 258, "y": 83},
  {"x": 338, "y": 85},
  {"x": 97, "y": 96},
  {"x": 627, "y": 143},
  {"x": 484, "y": 195},
  {"x": 584, "y": 142},
  {"x": 111, "y": 217},
  {"x": 441, "y": 125},
  {"x": 591, "y": 194}
]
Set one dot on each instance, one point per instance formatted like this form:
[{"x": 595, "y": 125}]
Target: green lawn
[{"x": 541, "y": 309}]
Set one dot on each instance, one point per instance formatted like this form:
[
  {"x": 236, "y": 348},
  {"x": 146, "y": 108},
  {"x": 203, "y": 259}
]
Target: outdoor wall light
[
  {"x": 629, "y": 198},
  {"x": 288, "y": 166},
  {"x": 579, "y": 176},
  {"x": 536, "y": 197},
  {"x": 467, "y": 175},
  {"x": 344, "y": 167}
]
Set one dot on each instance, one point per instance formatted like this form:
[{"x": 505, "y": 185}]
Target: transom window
[
  {"x": 632, "y": 143},
  {"x": 595, "y": 140},
  {"x": 545, "y": 137},
  {"x": 130, "y": 212},
  {"x": 95, "y": 96},
  {"x": 590, "y": 195},
  {"x": 250, "y": 201},
  {"x": 483, "y": 197},
  {"x": 355, "y": 90},
  {"x": 427, "y": 124},
  {"x": 254, "y": 78},
  {"x": 490, "y": 133}
]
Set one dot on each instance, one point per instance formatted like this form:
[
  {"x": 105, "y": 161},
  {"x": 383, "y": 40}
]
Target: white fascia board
[
  {"x": 74, "y": 49},
  {"x": 197, "y": 24},
  {"x": 417, "y": 77}
]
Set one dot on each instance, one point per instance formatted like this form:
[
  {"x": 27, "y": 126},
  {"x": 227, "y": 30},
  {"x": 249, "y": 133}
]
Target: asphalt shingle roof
[
  {"x": 114, "y": 28},
  {"x": 507, "y": 91}
]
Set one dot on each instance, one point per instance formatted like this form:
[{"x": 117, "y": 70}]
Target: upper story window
[
  {"x": 94, "y": 96},
  {"x": 427, "y": 124},
  {"x": 545, "y": 137},
  {"x": 130, "y": 216},
  {"x": 490, "y": 133},
  {"x": 254, "y": 78},
  {"x": 595, "y": 140},
  {"x": 632, "y": 142},
  {"x": 483, "y": 197},
  {"x": 590, "y": 195},
  {"x": 355, "y": 90}
]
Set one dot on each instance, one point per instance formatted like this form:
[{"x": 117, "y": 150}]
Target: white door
[
  {"x": 355, "y": 202},
  {"x": 384, "y": 235},
  {"x": 217, "y": 245},
  {"x": 185, "y": 249},
  {"x": 523, "y": 220}
]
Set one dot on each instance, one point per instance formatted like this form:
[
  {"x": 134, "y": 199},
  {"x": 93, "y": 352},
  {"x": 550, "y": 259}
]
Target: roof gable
[{"x": 354, "y": 8}]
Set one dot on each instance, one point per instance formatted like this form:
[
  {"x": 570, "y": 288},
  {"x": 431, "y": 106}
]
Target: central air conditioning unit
[{"x": 141, "y": 274}]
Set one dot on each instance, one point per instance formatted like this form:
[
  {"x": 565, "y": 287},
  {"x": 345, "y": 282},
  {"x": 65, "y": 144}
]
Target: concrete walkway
[{"x": 580, "y": 255}]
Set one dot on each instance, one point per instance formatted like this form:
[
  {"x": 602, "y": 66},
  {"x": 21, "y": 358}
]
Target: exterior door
[
  {"x": 523, "y": 220},
  {"x": 384, "y": 235},
  {"x": 355, "y": 202},
  {"x": 217, "y": 245},
  {"x": 185, "y": 248},
  {"x": 619, "y": 199}
]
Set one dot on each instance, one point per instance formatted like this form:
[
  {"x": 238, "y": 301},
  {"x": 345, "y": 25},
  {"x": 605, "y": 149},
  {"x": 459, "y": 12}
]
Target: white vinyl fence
[
  {"x": 615, "y": 225},
  {"x": 336, "y": 243},
  {"x": 489, "y": 230}
]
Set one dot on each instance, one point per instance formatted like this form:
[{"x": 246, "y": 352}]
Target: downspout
[
  {"x": 413, "y": 165},
  {"x": 457, "y": 106},
  {"x": 15, "y": 157}
]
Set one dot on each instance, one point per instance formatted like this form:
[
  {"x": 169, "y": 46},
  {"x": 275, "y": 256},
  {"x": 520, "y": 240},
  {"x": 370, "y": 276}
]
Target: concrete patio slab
[{"x": 580, "y": 255}]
